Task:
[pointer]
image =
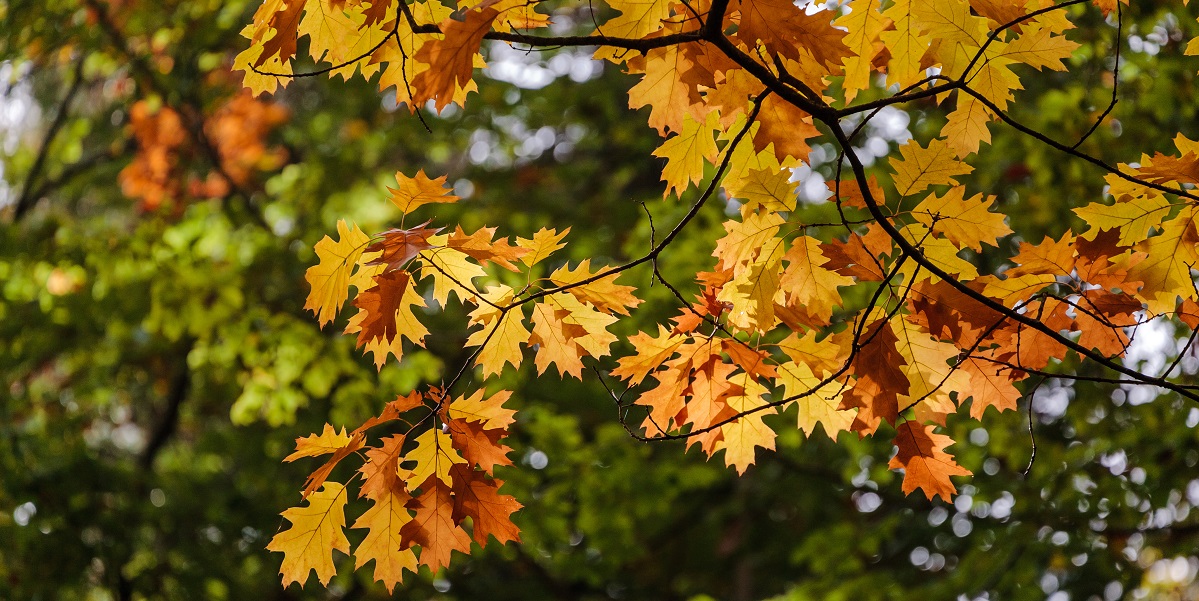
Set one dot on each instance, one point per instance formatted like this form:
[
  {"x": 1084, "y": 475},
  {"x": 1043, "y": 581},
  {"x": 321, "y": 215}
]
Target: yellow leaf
[
  {"x": 809, "y": 284},
  {"x": 434, "y": 456},
  {"x": 543, "y": 244},
  {"x": 638, "y": 18},
  {"x": 744, "y": 434},
  {"x": 1014, "y": 289},
  {"x": 1132, "y": 215},
  {"x": 752, "y": 290},
  {"x": 382, "y": 543},
  {"x": 929, "y": 374},
  {"x": 920, "y": 167},
  {"x": 502, "y": 334},
  {"x": 1166, "y": 272},
  {"x": 329, "y": 441},
  {"x": 605, "y": 294},
  {"x": 412, "y": 193},
  {"x": 555, "y": 340},
  {"x": 966, "y": 128},
  {"x": 771, "y": 189},
  {"x": 687, "y": 153},
  {"x": 663, "y": 89},
  {"x": 651, "y": 352},
  {"x": 744, "y": 238},
  {"x": 939, "y": 251},
  {"x": 316, "y": 531},
  {"x": 906, "y": 42},
  {"x": 452, "y": 271},
  {"x": 864, "y": 24},
  {"x": 967, "y": 222},
  {"x": 257, "y": 82},
  {"x": 819, "y": 405},
  {"x": 330, "y": 279},
  {"x": 490, "y": 412}
]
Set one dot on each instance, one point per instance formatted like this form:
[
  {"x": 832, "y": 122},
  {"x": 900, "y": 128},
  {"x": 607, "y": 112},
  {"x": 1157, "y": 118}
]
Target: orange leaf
[
  {"x": 434, "y": 527},
  {"x": 480, "y": 447},
  {"x": 476, "y": 496},
  {"x": 925, "y": 463}
]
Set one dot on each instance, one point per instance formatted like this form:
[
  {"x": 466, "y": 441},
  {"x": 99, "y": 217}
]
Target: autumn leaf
[
  {"x": 925, "y": 463},
  {"x": 316, "y": 531},
  {"x": 541, "y": 245},
  {"x": 483, "y": 248},
  {"x": 433, "y": 456},
  {"x": 433, "y": 526},
  {"x": 411, "y": 193},
  {"x": 451, "y": 59},
  {"x": 920, "y": 167},
  {"x": 330, "y": 279},
  {"x": 603, "y": 293},
  {"x": 383, "y": 543},
  {"x": 397, "y": 247},
  {"x": 476, "y": 496},
  {"x": 480, "y": 447}
]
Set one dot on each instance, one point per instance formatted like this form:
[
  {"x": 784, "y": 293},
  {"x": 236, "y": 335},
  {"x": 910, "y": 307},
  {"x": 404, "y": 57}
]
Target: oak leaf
[
  {"x": 316, "y": 531},
  {"x": 925, "y": 463}
]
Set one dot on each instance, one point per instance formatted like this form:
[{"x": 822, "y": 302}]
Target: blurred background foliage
[{"x": 155, "y": 363}]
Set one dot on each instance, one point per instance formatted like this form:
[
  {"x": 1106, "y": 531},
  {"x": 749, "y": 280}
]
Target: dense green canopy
[{"x": 156, "y": 363}]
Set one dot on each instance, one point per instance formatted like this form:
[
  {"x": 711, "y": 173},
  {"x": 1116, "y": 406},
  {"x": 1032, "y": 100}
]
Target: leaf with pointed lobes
[
  {"x": 991, "y": 385},
  {"x": 967, "y": 222},
  {"x": 434, "y": 455},
  {"x": 881, "y": 378},
  {"x": 770, "y": 189},
  {"x": 818, "y": 403},
  {"x": 785, "y": 126},
  {"x": 387, "y": 306},
  {"x": 283, "y": 17},
  {"x": 382, "y": 544},
  {"x": 433, "y": 527},
  {"x": 476, "y": 496},
  {"x": 380, "y": 470},
  {"x": 663, "y": 88},
  {"x": 502, "y": 334},
  {"x": 605, "y": 294},
  {"x": 393, "y": 410},
  {"x": 743, "y": 435},
  {"x": 687, "y": 153},
  {"x": 479, "y": 446},
  {"x": 751, "y": 360},
  {"x": 651, "y": 352},
  {"x": 542, "y": 245},
  {"x": 920, "y": 167},
  {"x": 474, "y": 408},
  {"x": 415, "y": 192},
  {"x": 451, "y": 59},
  {"x": 318, "y": 477},
  {"x": 316, "y": 531},
  {"x": 925, "y": 463},
  {"x": 481, "y": 247},
  {"x": 849, "y": 193},
  {"x": 328, "y": 441},
  {"x": 330, "y": 279},
  {"x": 385, "y": 309},
  {"x": 398, "y": 247},
  {"x": 555, "y": 335},
  {"x": 1162, "y": 169},
  {"x": 567, "y": 330},
  {"x": 791, "y": 31},
  {"x": 808, "y": 281}
]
